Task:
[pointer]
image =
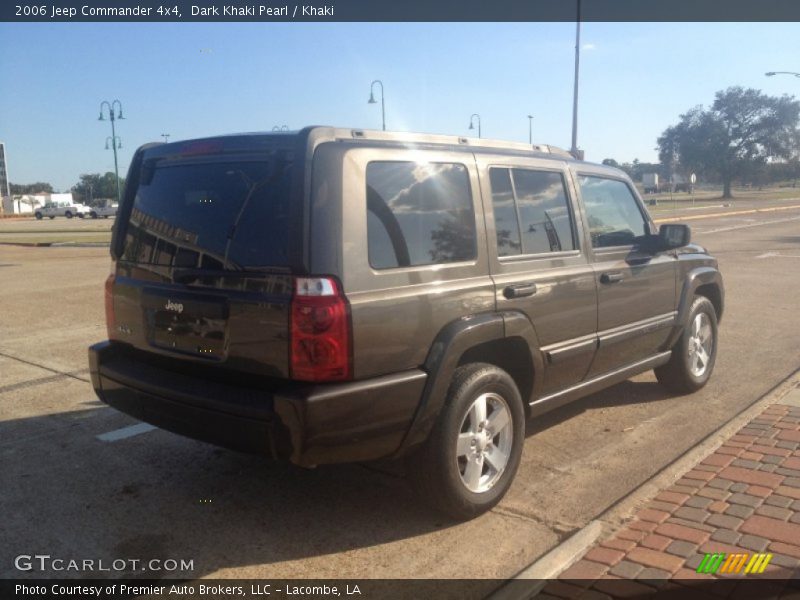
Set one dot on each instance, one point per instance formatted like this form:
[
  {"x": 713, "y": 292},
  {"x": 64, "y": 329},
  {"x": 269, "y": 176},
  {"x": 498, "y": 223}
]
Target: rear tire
[
  {"x": 695, "y": 353},
  {"x": 68, "y": 214},
  {"x": 469, "y": 460},
  {"x": 93, "y": 214},
  {"x": 38, "y": 216}
]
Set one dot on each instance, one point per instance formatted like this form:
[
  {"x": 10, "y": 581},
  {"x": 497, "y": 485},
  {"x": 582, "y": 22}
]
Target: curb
[
  {"x": 547, "y": 567},
  {"x": 534, "y": 577}
]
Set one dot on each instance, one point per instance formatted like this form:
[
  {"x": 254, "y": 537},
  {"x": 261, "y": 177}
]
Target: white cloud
[{"x": 588, "y": 47}]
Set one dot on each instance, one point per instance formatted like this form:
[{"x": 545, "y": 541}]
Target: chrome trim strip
[{"x": 547, "y": 403}]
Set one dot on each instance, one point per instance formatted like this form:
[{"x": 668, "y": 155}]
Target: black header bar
[{"x": 397, "y": 10}]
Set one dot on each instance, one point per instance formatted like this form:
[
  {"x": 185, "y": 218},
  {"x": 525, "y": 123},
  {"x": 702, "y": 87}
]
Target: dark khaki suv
[{"x": 336, "y": 295}]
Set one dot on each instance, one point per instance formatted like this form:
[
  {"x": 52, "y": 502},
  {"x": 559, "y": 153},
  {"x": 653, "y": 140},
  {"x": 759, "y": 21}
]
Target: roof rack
[{"x": 453, "y": 140}]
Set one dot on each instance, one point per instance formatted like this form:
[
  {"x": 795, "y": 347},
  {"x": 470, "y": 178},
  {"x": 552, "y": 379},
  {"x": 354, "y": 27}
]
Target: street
[{"x": 77, "y": 484}]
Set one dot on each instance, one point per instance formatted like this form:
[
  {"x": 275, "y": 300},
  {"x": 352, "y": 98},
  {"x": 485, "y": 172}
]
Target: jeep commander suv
[{"x": 336, "y": 295}]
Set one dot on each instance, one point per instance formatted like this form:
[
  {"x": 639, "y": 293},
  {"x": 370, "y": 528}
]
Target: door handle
[
  {"x": 611, "y": 277},
  {"x": 520, "y": 290}
]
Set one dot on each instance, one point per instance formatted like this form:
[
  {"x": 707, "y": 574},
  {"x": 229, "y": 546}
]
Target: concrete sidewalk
[{"x": 743, "y": 499}]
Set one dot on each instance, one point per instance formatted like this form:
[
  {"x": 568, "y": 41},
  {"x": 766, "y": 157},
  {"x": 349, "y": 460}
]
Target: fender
[
  {"x": 693, "y": 280},
  {"x": 447, "y": 349}
]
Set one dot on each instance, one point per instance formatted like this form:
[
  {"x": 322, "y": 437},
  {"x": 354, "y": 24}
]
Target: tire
[
  {"x": 93, "y": 214},
  {"x": 68, "y": 214},
  {"x": 38, "y": 216},
  {"x": 453, "y": 483},
  {"x": 52, "y": 216},
  {"x": 687, "y": 371}
]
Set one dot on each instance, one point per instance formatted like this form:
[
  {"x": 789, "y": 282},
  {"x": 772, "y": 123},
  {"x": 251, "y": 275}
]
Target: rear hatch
[{"x": 206, "y": 246}]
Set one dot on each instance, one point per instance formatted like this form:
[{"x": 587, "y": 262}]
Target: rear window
[{"x": 215, "y": 215}]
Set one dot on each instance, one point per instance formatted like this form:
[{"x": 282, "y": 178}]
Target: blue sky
[{"x": 192, "y": 80}]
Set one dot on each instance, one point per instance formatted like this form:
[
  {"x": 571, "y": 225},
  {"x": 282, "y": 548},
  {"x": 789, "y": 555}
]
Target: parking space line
[
  {"x": 125, "y": 432},
  {"x": 747, "y": 225},
  {"x": 725, "y": 214}
]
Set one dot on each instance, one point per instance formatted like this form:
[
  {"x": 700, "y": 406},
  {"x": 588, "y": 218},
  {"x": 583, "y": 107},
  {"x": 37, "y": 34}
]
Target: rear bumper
[{"x": 305, "y": 423}]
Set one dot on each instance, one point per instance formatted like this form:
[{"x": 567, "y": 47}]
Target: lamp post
[
  {"x": 530, "y": 129},
  {"x": 772, "y": 73},
  {"x": 281, "y": 128},
  {"x": 574, "y": 150},
  {"x": 113, "y": 116},
  {"x": 471, "y": 126},
  {"x": 166, "y": 137},
  {"x": 372, "y": 100}
]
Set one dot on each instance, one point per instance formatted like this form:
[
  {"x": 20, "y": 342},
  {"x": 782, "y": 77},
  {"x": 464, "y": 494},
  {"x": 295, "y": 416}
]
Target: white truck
[
  {"x": 61, "y": 209},
  {"x": 652, "y": 185},
  {"x": 103, "y": 211}
]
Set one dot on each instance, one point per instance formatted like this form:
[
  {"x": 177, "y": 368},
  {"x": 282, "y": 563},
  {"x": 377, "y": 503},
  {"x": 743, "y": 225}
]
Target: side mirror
[{"x": 674, "y": 235}]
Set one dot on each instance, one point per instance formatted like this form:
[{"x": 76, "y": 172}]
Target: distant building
[{"x": 27, "y": 203}]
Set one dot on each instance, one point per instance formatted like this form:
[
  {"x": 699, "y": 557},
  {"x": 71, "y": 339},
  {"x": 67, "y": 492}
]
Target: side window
[
  {"x": 531, "y": 212},
  {"x": 419, "y": 214},
  {"x": 612, "y": 212},
  {"x": 506, "y": 224}
]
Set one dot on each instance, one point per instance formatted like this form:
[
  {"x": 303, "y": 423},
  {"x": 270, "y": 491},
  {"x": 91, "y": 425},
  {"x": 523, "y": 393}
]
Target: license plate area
[{"x": 191, "y": 324}]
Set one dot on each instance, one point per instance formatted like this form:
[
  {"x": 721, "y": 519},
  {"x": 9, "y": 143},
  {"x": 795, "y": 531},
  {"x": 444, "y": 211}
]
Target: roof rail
[{"x": 454, "y": 140}]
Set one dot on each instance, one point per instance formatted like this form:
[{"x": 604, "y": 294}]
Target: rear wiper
[{"x": 181, "y": 275}]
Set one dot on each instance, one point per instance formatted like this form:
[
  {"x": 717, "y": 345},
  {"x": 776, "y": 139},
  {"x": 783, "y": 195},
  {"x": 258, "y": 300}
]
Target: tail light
[
  {"x": 109, "y": 297},
  {"x": 320, "y": 345}
]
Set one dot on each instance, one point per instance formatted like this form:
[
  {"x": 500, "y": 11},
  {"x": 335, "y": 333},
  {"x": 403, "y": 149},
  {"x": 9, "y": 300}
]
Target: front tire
[
  {"x": 68, "y": 214},
  {"x": 695, "y": 353},
  {"x": 38, "y": 216},
  {"x": 93, "y": 214},
  {"x": 469, "y": 460}
]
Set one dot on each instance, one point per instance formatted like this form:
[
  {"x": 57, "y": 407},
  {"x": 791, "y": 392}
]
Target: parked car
[
  {"x": 340, "y": 295},
  {"x": 61, "y": 209},
  {"x": 103, "y": 211}
]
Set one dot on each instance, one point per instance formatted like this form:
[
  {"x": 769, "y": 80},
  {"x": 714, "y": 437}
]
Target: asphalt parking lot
[{"x": 75, "y": 485}]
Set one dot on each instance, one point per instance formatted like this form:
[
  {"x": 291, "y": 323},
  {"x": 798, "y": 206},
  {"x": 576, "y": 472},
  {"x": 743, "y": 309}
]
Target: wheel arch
[
  {"x": 506, "y": 340},
  {"x": 703, "y": 281}
]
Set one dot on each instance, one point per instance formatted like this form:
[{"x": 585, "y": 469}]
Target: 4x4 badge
[{"x": 175, "y": 306}]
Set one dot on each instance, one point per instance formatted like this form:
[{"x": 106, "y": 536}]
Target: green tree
[
  {"x": 740, "y": 131},
  {"x": 39, "y": 187},
  {"x": 93, "y": 188}
]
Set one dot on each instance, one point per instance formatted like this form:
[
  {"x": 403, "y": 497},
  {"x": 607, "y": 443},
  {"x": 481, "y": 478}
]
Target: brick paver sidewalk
[{"x": 744, "y": 498}]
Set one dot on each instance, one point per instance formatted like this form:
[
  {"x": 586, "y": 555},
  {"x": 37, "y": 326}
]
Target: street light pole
[
  {"x": 574, "y": 149},
  {"x": 530, "y": 129},
  {"x": 166, "y": 137},
  {"x": 471, "y": 126},
  {"x": 113, "y": 116},
  {"x": 372, "y": 100}
]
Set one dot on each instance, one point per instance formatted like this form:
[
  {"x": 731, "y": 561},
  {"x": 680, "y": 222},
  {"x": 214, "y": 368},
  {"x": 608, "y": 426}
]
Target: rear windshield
[{"x": 216, "y": 215}]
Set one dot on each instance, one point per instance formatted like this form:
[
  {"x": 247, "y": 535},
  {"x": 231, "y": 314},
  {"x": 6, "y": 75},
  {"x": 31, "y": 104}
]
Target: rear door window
[
  {"x": 419, "y": 214},
  {"x": 531, "y": 212}
]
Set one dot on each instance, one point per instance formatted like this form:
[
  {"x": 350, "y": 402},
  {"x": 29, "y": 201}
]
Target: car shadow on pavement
[{"x": 158, "y": 495}]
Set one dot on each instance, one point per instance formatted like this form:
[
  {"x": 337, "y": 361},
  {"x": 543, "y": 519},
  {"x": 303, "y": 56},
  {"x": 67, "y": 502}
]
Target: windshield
[{"x": 220, "y": 215}]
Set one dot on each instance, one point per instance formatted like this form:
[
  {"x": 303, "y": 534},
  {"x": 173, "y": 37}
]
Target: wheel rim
[
  {"x": 701, "y": 344},
  {"x": 484, "y": 442}
]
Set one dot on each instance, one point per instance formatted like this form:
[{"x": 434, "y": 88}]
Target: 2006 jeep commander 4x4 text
[{"x": 342, "y": 295}]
